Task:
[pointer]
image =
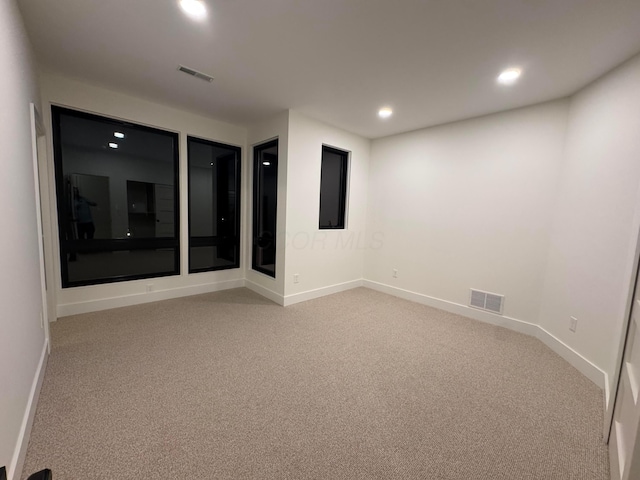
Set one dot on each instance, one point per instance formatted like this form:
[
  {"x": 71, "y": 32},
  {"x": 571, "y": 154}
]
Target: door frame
[
  {"x": 38, "y": 151},
  {"x": 615, "y": 383}
]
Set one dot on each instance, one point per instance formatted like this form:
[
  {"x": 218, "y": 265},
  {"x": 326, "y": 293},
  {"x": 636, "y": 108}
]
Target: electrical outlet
[
  {"x": 395, "y": 273},
  {"x": 296, "y": 278},
  {"x": 149, "y": 287},
  {"x": 573, "y": 324}
]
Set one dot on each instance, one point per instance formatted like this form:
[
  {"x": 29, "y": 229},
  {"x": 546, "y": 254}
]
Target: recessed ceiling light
[
  {"x": 266, "y": 164},
  {"x": 509, "y": 76},
  {"x": 113, "y": 145},
  {"x": 385, "y": 112},
  {"x": 196, "y": 9},
  {"x": 118, "y": 134},
  {"x": 211, "y": 164}
]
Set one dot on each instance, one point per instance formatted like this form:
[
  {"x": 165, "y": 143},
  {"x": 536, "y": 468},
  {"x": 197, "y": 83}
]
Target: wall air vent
[
  {"x": 195, "y": 73},
  {"x": 486, "y": 301}
]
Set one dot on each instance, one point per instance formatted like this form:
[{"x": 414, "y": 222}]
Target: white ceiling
[{"x": 433, "y": 61}]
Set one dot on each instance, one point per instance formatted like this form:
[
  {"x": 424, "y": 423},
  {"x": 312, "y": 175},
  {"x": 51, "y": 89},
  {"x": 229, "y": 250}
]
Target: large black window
[
  {"x": 265, "y": 206},
  {"x": 117, "y": 193},
  {"x": 214, "y": 206},
  {"x": 333, "y": 188}
]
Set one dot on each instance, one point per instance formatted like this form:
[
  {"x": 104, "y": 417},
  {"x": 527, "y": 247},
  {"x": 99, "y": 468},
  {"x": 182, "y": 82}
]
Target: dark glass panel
[
  {"x": 214, "y": 205},
  {"x": 265, "y": 202},
  {"x": 117, "y": 199},
  {"x": 125, "y": 263},
  {"x": 333, "y": 188}
]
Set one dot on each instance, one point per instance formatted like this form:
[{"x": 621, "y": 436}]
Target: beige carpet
[{"x": 357, "y": 385}]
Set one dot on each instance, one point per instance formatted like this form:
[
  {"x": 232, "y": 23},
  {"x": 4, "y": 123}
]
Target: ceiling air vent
[
  {"x": 195, "y": 73},
  {"x": 486, "y": 301}
]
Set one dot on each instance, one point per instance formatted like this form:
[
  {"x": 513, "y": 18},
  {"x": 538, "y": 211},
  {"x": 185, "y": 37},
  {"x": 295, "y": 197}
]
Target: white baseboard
[
  {"x": 139, "y": 298},
  {"x": 493, "y": 319},
  {"x": 587, "y": 368},
  {"x": 265, "y": 292},
  {"x": 610, "y": 391},
  {"x": 321, "y": 292},
  {"x": 583, "y": 365},
  {"x": 17, "y": 462}
]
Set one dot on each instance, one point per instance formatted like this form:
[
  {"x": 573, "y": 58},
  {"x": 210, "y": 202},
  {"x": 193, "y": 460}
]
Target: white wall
[
  {"x": 540, "y": 204},
  {"x": 468, "y": 205},
  {"x": 323, "y": 258},
  {"x": 82, "y": 96},
  {"x": 22, "y": 340},
  {"x": 261, "y": 132},
  {"x": 596, "y": 218}
]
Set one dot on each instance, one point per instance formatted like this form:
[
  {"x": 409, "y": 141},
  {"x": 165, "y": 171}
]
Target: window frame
[
  {"x": 342, "y": 190},
  {"x": 238, "y": 242},
  {"x": 116, "y": 244}
]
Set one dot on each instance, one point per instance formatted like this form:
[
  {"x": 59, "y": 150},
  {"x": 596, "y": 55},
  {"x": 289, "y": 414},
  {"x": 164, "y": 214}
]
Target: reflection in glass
[
  {"x": 265, "y": 196},
  {"x": 214, "y": 205},
  {"x": 150, "y": 210},
  {"x": 117, "y": 207}
]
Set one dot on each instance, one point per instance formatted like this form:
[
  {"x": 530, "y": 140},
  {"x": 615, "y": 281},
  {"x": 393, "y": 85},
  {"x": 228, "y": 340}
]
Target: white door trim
[
  {"x": 38, "y": 130},
  {"x": 615, "y": 381},
  {"x": 624, "y": 436}
]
